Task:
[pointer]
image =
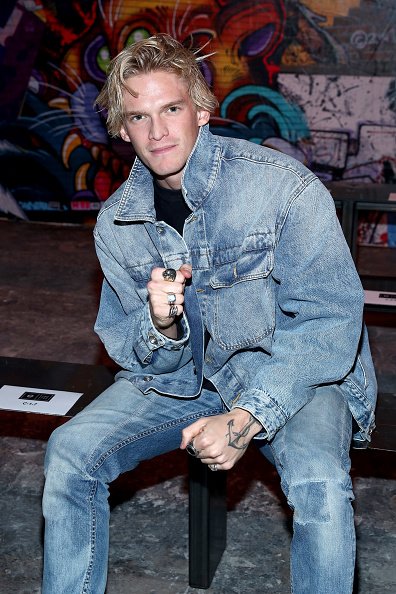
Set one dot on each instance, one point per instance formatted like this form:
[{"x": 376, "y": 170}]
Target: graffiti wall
[{"x": 313, "y": 78}]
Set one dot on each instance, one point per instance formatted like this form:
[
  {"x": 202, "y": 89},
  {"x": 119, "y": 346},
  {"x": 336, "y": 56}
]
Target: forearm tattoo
[{"x": 237, "y": 439}]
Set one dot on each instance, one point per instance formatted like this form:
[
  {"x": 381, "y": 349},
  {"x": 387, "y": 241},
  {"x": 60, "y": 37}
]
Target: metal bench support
[{"x": 207, "y": 522}]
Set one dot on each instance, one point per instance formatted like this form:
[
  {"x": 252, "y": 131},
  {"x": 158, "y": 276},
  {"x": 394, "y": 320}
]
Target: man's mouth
[{"x": 162, "y": 149}]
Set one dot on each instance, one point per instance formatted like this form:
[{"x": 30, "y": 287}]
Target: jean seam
[
  {"x": 146, "y": 433},
  {"x": 87, "y": 579}
]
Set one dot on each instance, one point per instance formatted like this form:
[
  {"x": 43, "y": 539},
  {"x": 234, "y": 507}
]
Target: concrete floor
[{"x": 49, "y": 291}]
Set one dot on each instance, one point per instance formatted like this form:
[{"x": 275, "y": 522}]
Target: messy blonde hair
[{"x": 160, "y": 52}]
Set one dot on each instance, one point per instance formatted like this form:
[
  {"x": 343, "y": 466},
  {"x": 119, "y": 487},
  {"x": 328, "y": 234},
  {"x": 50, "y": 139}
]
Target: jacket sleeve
[
  {"x": 124, "y": 323},
  {"x": 318, "y": 312}
]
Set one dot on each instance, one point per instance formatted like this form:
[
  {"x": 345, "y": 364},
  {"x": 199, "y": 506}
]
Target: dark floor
[{"x": 49, "y": 290}]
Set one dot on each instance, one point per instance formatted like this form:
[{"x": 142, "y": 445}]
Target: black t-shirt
[{"x": 170, "y": 207}]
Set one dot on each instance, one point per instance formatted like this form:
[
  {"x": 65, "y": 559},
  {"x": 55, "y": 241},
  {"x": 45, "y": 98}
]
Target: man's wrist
[
  {"x": 170, "y": 331},
  {"x": 242, "y": 427}
]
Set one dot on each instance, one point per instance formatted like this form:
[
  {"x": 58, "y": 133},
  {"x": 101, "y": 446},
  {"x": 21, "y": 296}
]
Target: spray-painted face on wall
[{"x": 242, "y": 36}]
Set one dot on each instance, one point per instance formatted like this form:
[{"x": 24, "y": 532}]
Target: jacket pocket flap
[{"x": 249, "y": 266}]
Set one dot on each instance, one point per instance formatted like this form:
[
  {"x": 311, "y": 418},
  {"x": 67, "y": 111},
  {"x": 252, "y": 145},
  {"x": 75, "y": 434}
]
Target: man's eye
[
  {"x": 136, "y": 118},
  {"x": 174, "y": 108}
]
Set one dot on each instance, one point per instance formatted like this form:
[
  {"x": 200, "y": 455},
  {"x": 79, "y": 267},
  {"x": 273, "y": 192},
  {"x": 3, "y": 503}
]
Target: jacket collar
[{"x": 137, "y": 199}]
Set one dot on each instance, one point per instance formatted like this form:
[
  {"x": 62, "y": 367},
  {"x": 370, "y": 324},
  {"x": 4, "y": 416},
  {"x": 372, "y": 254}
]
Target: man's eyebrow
[
  {"x": 171, "y": 103},
  {"x": 133, "y": 112}
]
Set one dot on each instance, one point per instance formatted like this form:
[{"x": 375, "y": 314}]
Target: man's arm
[
  {"x": 124, "y": 321},
  {"x": 318, "y": 312}
]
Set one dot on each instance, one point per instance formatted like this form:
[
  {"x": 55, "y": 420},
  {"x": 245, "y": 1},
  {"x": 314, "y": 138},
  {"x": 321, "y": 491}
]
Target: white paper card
[
  {"x": 380, "y": 298},
  {"x": 37, "y": 400}
]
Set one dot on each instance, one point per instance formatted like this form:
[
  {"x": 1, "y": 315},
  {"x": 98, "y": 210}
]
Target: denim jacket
[{"x": 273, "y": 283}]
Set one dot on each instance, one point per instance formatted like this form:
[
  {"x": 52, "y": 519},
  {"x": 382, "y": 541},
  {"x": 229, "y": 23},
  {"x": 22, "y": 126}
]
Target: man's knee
[
  {"x": 319, "y": 501},
  {"x": 65, "y": 450}
]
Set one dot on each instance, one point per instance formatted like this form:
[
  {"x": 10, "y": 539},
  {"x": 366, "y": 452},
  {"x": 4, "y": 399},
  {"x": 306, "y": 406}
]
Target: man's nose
[{"x": 158, "y": 129}]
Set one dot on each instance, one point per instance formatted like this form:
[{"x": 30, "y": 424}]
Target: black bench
[{"x": 207, "y": 490}]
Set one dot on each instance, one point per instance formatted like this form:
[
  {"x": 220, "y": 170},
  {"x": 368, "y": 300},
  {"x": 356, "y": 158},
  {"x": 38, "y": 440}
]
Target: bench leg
[{"x": 207, "y": 522}]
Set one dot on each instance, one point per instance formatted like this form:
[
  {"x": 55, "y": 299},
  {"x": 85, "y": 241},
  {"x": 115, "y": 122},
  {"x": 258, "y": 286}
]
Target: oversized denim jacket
[{"x": 273, "y": 283}]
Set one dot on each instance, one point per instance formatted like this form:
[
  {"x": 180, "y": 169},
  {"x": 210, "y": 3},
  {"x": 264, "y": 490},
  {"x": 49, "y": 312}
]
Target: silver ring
[
  {"x": 169, "y": 275},
  {"x": 173, "y": 311},
  {"x": 192, "y": 450},
  {"x": 171, "y": 298},
  {"x": 213, "y": 467}
]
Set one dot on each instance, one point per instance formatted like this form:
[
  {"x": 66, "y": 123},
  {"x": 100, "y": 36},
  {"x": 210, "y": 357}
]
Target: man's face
[{"x": 162, "y": 124}]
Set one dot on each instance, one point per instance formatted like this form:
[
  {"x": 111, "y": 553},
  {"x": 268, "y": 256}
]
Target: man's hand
[
  {"x": 160, "y": 291},
  {"x": 222, "y": 439}
]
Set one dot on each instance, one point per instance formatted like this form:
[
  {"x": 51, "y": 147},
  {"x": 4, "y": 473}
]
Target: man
[{"x": 232, "y": 305}]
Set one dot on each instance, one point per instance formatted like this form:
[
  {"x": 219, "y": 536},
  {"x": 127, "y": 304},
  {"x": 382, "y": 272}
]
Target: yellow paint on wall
[{"x": 331, "y": 8}]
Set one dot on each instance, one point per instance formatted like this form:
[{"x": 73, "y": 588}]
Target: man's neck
[{"x": 171, "y": 182}]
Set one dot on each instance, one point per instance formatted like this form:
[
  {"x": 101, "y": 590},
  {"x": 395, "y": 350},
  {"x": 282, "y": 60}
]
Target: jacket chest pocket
[{"x": 243, "y": 314}]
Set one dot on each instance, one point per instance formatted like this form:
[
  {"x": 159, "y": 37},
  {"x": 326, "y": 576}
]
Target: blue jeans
[
  {"x": 122, "y": 427},
  {"x": 311, "y": 454}
]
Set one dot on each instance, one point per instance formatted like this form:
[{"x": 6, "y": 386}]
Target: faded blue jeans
[{"x": 122, "y": 427}]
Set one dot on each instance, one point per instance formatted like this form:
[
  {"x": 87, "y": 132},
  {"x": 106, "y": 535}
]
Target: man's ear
[
  {"x": 124, "y": 134},
  {"x": 203, "y": 117}
]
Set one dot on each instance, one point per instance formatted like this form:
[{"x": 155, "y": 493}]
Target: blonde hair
[{"x": 160, "y": 52}]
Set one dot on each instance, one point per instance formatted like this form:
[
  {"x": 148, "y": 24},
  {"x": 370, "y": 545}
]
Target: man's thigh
[
  {"x": 315, "y": 443},
  {"x": 122, "y": 427}
]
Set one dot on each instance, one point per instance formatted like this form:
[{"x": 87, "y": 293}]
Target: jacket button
[
  {"x": 152, "y": 339},
  {"x": 148, "y": 378},
  {"x": 160, "y": 230}
]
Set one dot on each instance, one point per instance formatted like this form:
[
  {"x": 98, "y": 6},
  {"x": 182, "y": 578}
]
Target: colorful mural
[{"x": 315, "y": 79}]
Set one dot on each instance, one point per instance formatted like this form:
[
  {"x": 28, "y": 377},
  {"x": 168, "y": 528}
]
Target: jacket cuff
[
  {"x": 264, "y": 409},
  {"x": 151, "y": 339}
]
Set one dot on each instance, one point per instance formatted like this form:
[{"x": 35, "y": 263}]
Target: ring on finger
[
  {"x": 192, "y": 450},
  {"x": 171, "y": 298},
  {"x": 213, "y": 467},
  {"x": 169, "y": 275},
  {"x": 173, "y": 310}
]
